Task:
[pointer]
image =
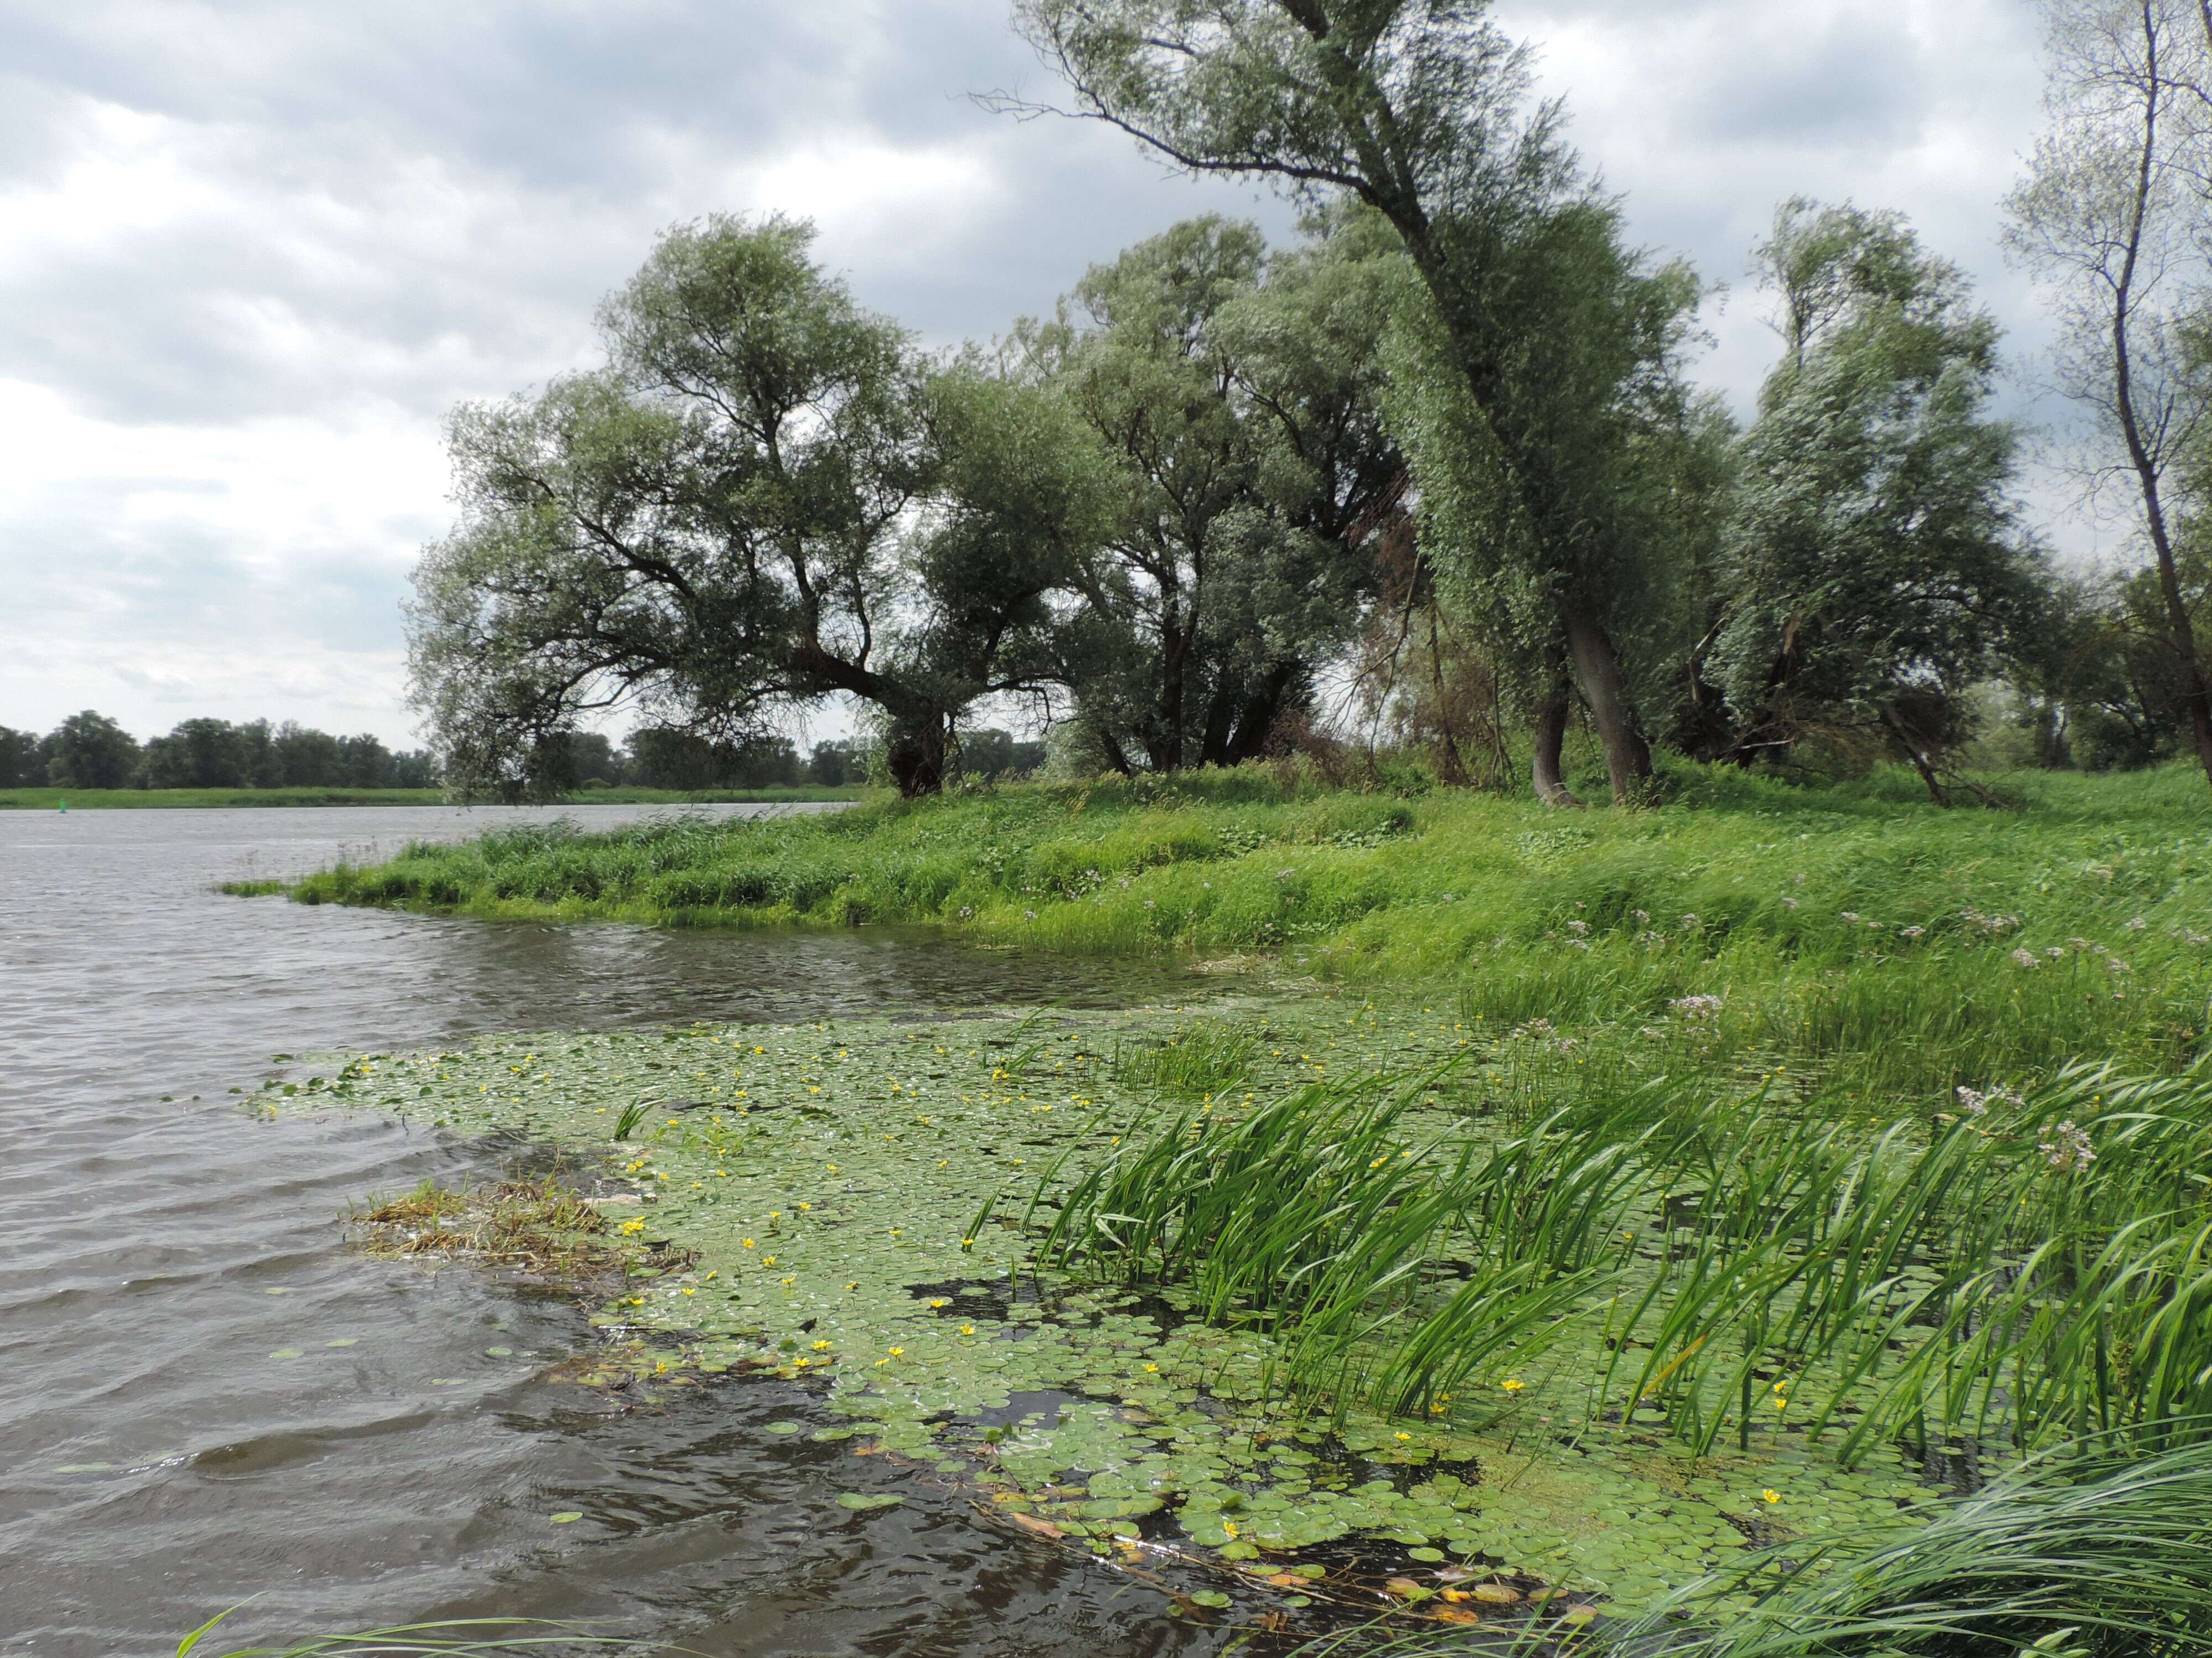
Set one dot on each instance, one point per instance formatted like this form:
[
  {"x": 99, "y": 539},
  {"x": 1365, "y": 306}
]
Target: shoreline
[{"x": 823, "y": 1179}]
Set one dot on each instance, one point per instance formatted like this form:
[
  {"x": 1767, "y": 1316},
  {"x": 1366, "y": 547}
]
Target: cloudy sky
[{"x": 251, "y": 251}]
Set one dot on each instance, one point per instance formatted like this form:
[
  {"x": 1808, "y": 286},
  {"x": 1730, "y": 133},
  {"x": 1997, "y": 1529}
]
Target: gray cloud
[{"x": 255, "y": 249}]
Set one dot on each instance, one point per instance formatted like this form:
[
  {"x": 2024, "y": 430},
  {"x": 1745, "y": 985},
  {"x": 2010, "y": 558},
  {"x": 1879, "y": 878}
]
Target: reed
[{"x": 2029, "y": 1268}]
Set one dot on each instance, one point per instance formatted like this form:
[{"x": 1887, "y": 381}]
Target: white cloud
[{"x": 252, "y": 251}]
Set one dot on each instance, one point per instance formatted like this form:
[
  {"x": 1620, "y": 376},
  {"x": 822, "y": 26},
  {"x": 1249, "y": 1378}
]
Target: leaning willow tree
[
  {"x": 765, "y": 498},
  {"x": 1545, "y": 348}
]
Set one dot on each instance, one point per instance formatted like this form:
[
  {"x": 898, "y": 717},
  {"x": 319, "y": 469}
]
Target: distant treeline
[{"x": 89, "y": 750}]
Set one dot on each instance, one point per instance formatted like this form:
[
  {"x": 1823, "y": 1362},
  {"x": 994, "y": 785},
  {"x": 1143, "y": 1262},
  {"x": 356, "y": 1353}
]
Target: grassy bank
[
  {"x": 46, "y": 800},
  {"x": 1895, "y": 949}
]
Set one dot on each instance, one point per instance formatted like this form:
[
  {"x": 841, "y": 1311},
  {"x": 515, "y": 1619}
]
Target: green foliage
[
  {"x": 1875, "y": 567},
  {"x": 88, "y": 750},
  {"x": 1235, "y": 394},
  {"x": 1537, "y": 917},
  {"x": 765, "y": 498}
]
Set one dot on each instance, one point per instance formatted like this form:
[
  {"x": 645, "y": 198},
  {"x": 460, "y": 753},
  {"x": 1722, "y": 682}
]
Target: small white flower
[
  {"x": 1850, "y": 916},
  {"x": 2025, "y": 958},
  {"x": 2138, "y": 925},
  {"x": 1578, "y": 928},
  {"x": 2068, "y": 1150},
  {"x": 1696, "y": 1007},
  {"x": 1911, "y": 932},
  {"x": 1789, "y": 903}
]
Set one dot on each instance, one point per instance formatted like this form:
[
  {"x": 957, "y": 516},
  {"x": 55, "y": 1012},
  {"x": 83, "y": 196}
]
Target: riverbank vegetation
[
  {"x": 1904, "y": 949},
  {"x": 1558, "y": 1207},
  {"x": 1336, "y": 1304}
]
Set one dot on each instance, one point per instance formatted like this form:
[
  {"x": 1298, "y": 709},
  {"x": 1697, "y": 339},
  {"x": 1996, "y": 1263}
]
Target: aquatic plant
[{"x": 1989, "y": 1280}]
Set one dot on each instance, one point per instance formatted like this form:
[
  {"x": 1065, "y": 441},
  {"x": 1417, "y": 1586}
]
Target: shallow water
[{"x": 165, "y": 1454}]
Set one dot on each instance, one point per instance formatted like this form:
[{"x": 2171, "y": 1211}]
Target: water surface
[{"x": 165, "y": 1454}]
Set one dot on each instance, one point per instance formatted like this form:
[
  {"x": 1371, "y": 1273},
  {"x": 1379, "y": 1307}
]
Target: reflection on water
[{"x": 210, "y": 1399}]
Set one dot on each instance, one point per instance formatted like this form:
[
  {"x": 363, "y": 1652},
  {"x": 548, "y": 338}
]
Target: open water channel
[{"x": 208, "y": 1398}]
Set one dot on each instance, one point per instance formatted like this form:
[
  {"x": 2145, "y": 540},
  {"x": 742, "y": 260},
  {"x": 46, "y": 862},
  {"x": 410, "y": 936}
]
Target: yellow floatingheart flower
[
  {"x": 632, "y": 1228},
  {"x": 1771, "y": 1495},
  {"x": 966, "y": 1329},
  {"x": 1514, "y": 1386},
  {"x": 821, "y": 1347}
]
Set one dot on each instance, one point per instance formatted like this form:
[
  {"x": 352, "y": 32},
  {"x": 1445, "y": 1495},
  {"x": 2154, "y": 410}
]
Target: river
[{"x": 210, "y": 1400}]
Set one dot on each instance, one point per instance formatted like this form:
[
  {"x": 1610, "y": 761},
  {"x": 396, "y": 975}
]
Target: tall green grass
[
  {"x": 2024, "y": 1269},
  {"x": 1901, "y": 949}
]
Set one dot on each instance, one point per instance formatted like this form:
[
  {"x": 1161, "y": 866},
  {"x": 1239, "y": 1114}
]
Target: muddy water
[{"x": 206, "y": 1397}]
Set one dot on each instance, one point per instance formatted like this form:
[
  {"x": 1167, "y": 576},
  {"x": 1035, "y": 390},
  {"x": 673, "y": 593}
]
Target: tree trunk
[
  {"x": 1551, "y": 735},
  {"x": 1627, "y": 755},
  {"x": 2149, "y": 467},
  {"x": 918, "y": 753}
]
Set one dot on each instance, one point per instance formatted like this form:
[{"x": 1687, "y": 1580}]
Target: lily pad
[
  {"x": 343, "y": 1341},
  {"x": 786, "y": 1427},
  {"x": 567, "y": 1517},
  {"x": 499, "y": 1352},
  {"x": 1208, "y": 1598},
  {"x": 84, "y": 1467},
  {"x": 287, "y": 1352},
  {"x": 863, "y": 1501}
]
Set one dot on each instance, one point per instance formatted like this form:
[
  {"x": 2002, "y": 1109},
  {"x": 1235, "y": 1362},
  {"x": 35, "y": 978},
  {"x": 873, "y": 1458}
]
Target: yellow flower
[
  {"x": 689, "y": 1290},
  {"x": 833, "y": 1167},
  {"x": 1152, "y": 1369},
  {"x": 966, "y": 1329},
  {"x": 768, "y": 1260},
  {"x": 821, "y": 1347},
  {"x": 749, "y": 1243},
  {"x": 1229, "y": 1527},
  {"x": 1513, "y": 1387},
  {"x": 632, "y": 1228},
  {"x": 1405, "y": 1437},
  {"x": 1771, "y": 1495},
  {"x": 940, "y": 1302},
  {"x": 898, "y": 1352}
]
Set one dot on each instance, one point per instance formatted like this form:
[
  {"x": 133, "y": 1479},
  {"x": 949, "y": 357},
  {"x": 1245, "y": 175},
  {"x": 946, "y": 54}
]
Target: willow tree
[
  {"x": 1420, "y": 109},
  {"x": 766, "y": 497},
  {"x": 1236, "y": 392},
  {"x": 1874, "y": 563}
]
